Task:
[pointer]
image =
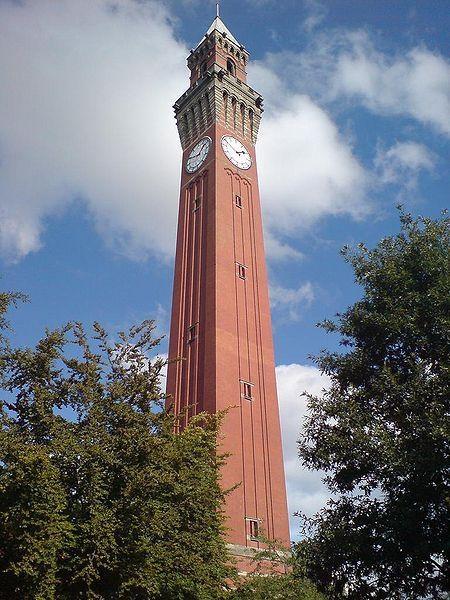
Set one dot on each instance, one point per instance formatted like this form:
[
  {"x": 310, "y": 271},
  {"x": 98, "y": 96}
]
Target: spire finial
[{"x": 218, "y": 9}]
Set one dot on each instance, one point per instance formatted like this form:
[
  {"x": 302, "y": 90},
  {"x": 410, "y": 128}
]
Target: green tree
[
  {"x": 99, "y": 498},
  {"x": 275, "y": 575},
  {"x": 381, "y": 431},
  {"x": 276, "y": 587}
]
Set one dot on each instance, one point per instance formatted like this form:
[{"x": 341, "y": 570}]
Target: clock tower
[{"x": 221, "y": 344}]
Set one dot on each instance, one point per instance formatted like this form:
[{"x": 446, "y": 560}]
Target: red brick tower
[{"x": 221, "y": 323}]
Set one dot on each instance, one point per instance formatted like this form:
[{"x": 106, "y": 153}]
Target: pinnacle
[{"x": 220, "y": 26}]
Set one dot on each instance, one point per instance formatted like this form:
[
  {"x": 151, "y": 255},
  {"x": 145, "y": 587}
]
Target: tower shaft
[{"x": 221, "y": 325}]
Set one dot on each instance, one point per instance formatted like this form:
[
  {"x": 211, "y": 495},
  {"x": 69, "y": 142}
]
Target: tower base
[{"x": 249, "y": 561}]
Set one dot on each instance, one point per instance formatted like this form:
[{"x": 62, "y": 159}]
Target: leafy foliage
[
  {"x": 98, "y": 497},
  {"x": 276, "y": 587},
  {"x": 381, "y": 432},
  {"x": 275, "y": 576}
]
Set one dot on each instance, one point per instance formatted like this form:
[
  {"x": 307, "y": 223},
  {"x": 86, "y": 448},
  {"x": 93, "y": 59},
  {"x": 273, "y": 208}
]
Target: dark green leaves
[
  {"x": 98, "y": 497},
  {"x": 381, "y": 432}
]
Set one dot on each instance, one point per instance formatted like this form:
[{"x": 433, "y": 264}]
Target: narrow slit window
[
  {"x": 242, "y": 271},
  {"x": 253, "y": 526},
  {"x": 196, "y": 204},
  {"x": 251, "y": 119},
  {"x": 192, "y": 333},
  {"x": 238, "y": 201},
  {"x": 247, "y": 390},
  {"x": 225, "y": 104}
]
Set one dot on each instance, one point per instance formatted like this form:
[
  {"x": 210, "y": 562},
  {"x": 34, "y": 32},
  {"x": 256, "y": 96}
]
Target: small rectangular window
[
  {"x": 192, "y": 333},
  {"x": 242, "y": 271},
  {"x": 196, "y": 204},
  {"x": 253, "y": 527},
  {"x": 238, "y": 201},
  {"x": 246, "y": 390}
]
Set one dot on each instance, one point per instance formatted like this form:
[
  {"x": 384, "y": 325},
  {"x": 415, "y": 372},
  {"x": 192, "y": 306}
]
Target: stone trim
[
  {"x": 218, "y": 97},
  {"x": 246, "y": 552},
  {"x": 217, "y": 39}
]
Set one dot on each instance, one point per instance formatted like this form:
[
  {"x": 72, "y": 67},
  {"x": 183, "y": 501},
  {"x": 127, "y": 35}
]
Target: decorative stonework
[
  {"x": 218, "y": 97},
  {"x": 246, "y": 552},
  {"x": 220, "y": 46}
]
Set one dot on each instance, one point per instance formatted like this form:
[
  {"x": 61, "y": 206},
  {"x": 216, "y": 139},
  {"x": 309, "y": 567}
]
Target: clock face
[
  {"x": 198, "y": 155},
  {"x": 236, "y": 152}
]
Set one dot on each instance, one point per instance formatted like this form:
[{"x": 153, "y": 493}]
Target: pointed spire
[
  {"x": 222, "y": 28},
  {"x": 218, "y": 9}
]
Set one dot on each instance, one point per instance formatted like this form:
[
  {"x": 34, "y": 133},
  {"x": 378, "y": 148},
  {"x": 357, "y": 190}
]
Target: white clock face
[
  {"x": 198, "y": 155},
  {"x": 236, "y": 152}
]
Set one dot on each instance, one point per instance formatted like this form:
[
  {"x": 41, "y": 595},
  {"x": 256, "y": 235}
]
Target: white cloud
[
  {"x": 401, "y": 163},
  {"x": 288, "y": 301},
  {"x": 416, "y": 84},
  {"x": 316, "y": 14},
  {"x": 343, "y": 65},
  {"x": 306, "y": 492},
  {"x": 307, "y": 169},
  {"x": 278, "y": 250},
  {"x": 212, "y": 5},
  {"x": 85, "y": 111}
]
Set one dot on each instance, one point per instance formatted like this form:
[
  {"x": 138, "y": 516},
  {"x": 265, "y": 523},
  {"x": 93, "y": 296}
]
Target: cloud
[
  {"x": 402, "y": 163},
  {"x": 287, "y": 301},
  {"x": 307, "y": 168},
  {"x": 212, "y": 4},
  {"x": 278, "y": 250},
  {"x": 306, "y": 492},
  {"x": 316, "y": 13},
  {"x": 85, "y": 112},
  {"x": 340, "y": 65},
  {"x": 416, "y": 84}
]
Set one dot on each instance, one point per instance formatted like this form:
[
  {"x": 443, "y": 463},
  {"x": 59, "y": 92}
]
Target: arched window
[
  {"x": 200, "y": 113},
  {"x": 203, "y": 68},
  {"x": 251, "y": 119},
  {"x": 233, "y": 107},
  {"x": 185, "y": 125},
  {"x": 208, "y": 109},
  {"x": 225, "y": 104},
  {"x": 231, "y": 67},
  {"x": 194, "y": 122}
]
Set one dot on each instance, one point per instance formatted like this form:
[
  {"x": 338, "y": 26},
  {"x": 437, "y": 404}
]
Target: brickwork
[
  {"x": 221, "y": 348},
  {"x": 218, "y": 97}
]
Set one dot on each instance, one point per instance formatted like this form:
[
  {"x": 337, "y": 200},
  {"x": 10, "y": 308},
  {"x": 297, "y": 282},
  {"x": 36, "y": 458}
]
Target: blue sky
[{"x": 357, "y": 119}]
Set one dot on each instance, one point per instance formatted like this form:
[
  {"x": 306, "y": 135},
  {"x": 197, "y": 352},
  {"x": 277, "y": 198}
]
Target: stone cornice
[{"x": 218, "y": 97}]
